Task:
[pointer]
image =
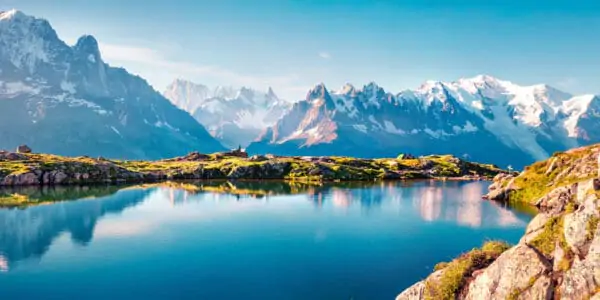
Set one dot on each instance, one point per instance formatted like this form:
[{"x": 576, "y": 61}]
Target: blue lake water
[{"x": 350, "y": 241}]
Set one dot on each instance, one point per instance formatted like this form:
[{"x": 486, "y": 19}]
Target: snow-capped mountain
[
  {"x": 235, "y": 116},
  {"x": 484, "y": 118},
  {"x": 66, "y": 100}
]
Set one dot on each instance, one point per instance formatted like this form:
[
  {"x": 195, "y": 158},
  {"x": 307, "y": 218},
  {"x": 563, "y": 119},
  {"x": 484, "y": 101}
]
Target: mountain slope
[
  {"x": 233, "y": 116},
  {"x": 66, "y": 100},
  {"x": 484, "y": 118}
]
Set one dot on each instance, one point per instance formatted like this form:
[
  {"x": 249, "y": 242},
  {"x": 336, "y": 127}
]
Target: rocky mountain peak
[
  {"x": 87, "y": 46},
  {"x": 319, "y": 91},
  {"x": 271, "y": 93},
  {"x": 347, "y": 89},
  {"x": 12, "y": 14}
]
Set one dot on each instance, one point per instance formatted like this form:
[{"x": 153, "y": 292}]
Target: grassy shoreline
[{"x": 46, "y": 169}]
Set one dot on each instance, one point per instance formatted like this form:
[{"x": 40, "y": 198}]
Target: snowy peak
[
  {"x": 12, "y": 14},
  {"x": 235, "y": 116},
  {"x": 271, "y": 93},
  {"x": 50, "y": 89},
  {"x": 186, "y": 94},
  {"x": 347, "y": 89},
  {"x": 529, "y": 121},
  {"x": 318, "y": 92}
]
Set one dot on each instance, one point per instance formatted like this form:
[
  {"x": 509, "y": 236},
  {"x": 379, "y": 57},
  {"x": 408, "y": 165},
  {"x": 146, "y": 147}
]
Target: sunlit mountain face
[{"x": 481, "y": 118}]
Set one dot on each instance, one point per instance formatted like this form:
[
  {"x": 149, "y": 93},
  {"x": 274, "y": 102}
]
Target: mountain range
[
  {"x": 481, "y": 118},
  {"x": 66, "y": 100},
  {"x": 235, "y": 116}
]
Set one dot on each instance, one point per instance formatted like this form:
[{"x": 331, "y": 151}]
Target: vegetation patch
[
  {"x": 515, "y": 293},
  {"x": 542, "y": 177},
  {"x": 591, "y": 226},
  {"x": 553, "y": 231},
  {"x": 456, "y": 272}
]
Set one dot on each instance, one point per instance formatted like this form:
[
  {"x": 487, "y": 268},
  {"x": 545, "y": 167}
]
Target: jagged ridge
[{"x": 465, "y": 117}]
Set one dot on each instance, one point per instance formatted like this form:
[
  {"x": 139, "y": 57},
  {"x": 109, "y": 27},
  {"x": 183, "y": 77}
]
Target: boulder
[
  {"x": 258, "y": 158},
  {"x": 510, "y": 274},
  {"x": 23, "y": 149},
  {"x": 582, "y": 280}
]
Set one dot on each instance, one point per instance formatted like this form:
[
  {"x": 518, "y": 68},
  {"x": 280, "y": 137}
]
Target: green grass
[
  {"x": 591, "y": 226},
  {"x": 456, "y": 272},
  {"x": 534, "y": 183},
  {"x": 218, "y": 166},
  {"x": 553, "y": 231}
]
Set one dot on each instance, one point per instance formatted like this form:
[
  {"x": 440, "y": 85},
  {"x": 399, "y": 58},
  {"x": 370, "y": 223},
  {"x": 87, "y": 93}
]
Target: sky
[{"x": 291, "y": 45}]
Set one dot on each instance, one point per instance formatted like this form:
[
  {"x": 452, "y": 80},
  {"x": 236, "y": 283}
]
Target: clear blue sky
[{"x": 294, "y": 44}]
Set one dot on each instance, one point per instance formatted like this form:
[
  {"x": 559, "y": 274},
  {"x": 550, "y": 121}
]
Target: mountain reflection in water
[{"x": 28, "y": 233}]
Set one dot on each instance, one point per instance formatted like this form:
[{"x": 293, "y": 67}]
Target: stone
[
  {"x": 535, "y": 227},
  {"x": 557, "y": 199},
  {"x": 417, "y": 290},
  {"x": 542, "y": 289},
  {"x": 512, "y": 271},
  {"x": 576, "y": 225},
  {"x": 23, "y": 149},
  {"x": 581, "y": 281},
  {"x": 258, "y": 158},
  {"x": 59, "y": 177}
]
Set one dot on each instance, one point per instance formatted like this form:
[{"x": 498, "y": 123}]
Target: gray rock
[
  {"x": 542, "y": 289},
  {"x": 417, "y": 290},
  {"x": 512, "y": 271},
  {"x": 23, "y": 149},
  {"x": 576, "y": 224},
  {"x": 535, "y": 227},
  {"x": 557, "y": 199},
  {"x": 582, "y": 280}
]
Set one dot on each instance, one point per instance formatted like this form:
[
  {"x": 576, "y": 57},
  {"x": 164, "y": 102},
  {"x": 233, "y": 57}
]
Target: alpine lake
[{"x": 243, "y": 240}]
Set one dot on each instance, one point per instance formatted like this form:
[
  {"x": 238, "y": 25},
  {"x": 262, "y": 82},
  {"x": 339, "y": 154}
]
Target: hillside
[{"x": 559, "y": 255}]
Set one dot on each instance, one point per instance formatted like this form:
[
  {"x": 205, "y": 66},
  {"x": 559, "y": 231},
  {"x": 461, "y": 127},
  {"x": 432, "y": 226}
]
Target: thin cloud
[
  {"x": 567, "y": 83},
  {"x": 285, "y": 85},
  {"x": 324, "y": 55}
]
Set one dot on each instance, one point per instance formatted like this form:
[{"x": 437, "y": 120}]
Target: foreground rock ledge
[
  {"x": 559, "y": 255},
  {"x": 44, "y": 169}
]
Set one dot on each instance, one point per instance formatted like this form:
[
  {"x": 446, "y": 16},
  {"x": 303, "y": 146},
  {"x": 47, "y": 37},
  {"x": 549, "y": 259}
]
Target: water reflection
[{"x": 28, "y": 233}]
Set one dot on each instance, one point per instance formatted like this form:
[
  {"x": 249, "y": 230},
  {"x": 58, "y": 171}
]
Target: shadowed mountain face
[
  {"x": 483, "y": 118},
  {"x": 28, "y": 233},
  {"x": 66, "y": 100}
]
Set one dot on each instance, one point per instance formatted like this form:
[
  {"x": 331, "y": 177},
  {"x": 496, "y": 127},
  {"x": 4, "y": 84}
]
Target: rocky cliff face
[{"x": 559, "y": 255}]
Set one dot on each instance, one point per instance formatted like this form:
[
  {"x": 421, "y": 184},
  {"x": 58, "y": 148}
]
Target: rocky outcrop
[
  {"x": 501, "y": 187},
  {"x": 43, "y": 169},
  {"x": 559, "y": 255},
  {"x": 23, "y": 149}
]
